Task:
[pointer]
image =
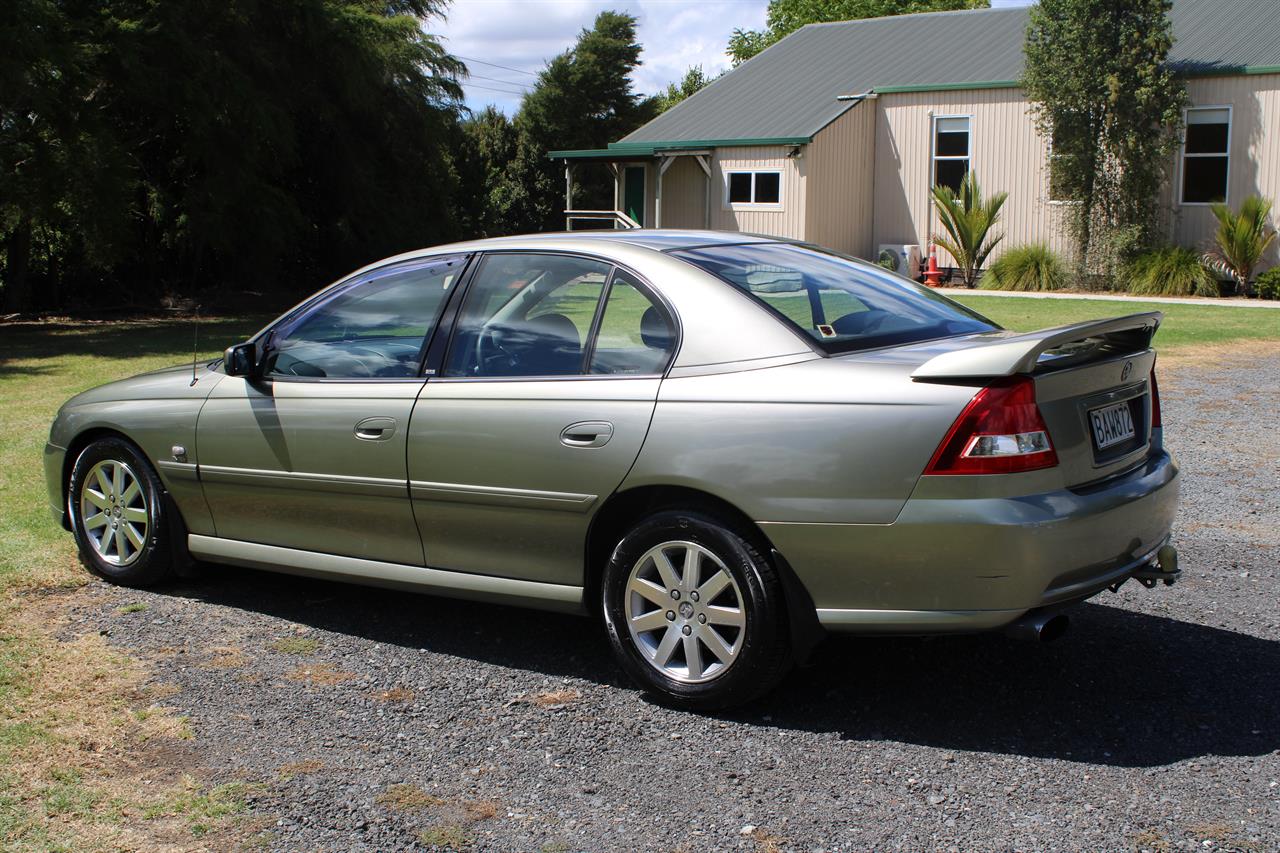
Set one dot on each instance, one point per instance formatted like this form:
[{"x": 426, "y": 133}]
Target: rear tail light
[
  {"x": 1157, "y": 422},
  {"x": 1001, "y": 431}
]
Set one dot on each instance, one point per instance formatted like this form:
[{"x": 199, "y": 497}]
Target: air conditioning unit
[{"x": 902, "y": 258}]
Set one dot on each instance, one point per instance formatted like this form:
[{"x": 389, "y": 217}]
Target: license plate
[{"x": 1111, "y": 425}]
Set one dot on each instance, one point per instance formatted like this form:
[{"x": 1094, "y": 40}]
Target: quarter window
[
  {"x": 1206, "y": 155},
  {"x": 951, "y": 151},
  {"x": 755, "y": 187},
  {"x": 374, "y": 329},
  {"x": 527, "y": 315},
  {"x": 635, "y": 335}
]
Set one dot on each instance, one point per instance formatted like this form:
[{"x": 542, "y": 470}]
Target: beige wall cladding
[
  {"x": 684, "y": 194},
  {"x": 785, "y": 220},
  {"x": 839, "y": 203},
  {"x": 1254, "y": 168},
  {"x": 1006, "y": 152}
]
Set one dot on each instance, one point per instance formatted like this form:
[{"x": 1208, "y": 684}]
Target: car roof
[{"x": 666, "y": 239}]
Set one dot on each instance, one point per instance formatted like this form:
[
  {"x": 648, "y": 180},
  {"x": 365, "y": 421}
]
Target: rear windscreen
[{"x": 841, "y": 303}]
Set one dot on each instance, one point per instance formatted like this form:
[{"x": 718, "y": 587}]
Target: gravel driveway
[{"x": 378, "y": 720}]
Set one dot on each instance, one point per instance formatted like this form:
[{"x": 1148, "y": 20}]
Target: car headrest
[
  {"x": 555, "y": 326},
  {"x": 654, "y": 329}
]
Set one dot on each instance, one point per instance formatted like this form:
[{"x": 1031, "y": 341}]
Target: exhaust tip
[
  {"x": 1054, "y": 628},
  {"x": 1040, "y": 626}
]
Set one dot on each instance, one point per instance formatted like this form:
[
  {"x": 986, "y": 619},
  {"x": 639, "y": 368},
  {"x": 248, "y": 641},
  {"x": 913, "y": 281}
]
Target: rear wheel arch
[{"x": 624, "y": 510}]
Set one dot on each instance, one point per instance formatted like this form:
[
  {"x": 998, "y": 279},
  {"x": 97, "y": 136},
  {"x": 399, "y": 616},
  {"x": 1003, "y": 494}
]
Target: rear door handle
[
  {"x": 587, "y": 434},
  {"x": 375, "y": 429}
]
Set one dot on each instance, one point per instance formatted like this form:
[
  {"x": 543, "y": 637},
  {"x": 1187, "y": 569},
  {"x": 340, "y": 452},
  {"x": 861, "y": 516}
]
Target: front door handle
[
  {"x": 375, "y": 429},
  {"x": 587, "y": 434}
]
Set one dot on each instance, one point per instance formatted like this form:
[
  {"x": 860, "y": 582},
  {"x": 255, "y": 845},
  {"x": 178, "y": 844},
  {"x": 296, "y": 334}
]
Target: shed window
[
  {"x": 951, "y": 150},
  {"x": 1206, "y": 155},
  {"x": 755, "y": 187}
]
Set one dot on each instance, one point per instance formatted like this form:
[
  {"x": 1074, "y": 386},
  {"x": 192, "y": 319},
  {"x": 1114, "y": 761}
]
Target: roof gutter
[{"x": 644, "y": 150}]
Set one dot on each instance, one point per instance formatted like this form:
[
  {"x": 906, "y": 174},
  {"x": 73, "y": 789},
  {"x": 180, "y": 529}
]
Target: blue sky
[{"x": 506, "y": 42}]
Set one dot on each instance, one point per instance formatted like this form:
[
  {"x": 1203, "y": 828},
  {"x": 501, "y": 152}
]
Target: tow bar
[{"x": 1163, "y": 569}]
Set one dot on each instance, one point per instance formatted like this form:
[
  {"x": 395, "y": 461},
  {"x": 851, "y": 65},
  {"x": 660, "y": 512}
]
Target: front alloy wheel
[
  {"x": 694, "y": 611},
  {"x": 118, "y": 514},
  {"x": 113, "y": 512}
]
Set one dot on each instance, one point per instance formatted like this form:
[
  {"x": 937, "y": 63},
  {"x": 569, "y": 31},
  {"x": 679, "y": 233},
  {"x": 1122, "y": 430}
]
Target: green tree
[
  {"x": 1105, "y": 99},
  {"x": 489, "y": 204},
  {"x": 583, "y": 99},
  {"x": 967, "y": 220},
  {"x": 248, "y": 144},
  {"x": 693, "y": 80},
  {"x": 786, "y": 16}
]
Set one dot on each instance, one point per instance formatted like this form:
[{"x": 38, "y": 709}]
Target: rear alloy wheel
[
  {"x": 116, "y": 504},
  {"x": 694, "y": 612}
]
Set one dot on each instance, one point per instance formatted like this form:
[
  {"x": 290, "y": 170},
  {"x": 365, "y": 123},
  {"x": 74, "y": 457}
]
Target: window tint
[
  {"x": 527, "y": 315},
  {"x": 373, "y": 329},
  {"x": 1205, "y": 155},
  {"x": 635, "y": 336},
  {"x": 841, "y": 303}
]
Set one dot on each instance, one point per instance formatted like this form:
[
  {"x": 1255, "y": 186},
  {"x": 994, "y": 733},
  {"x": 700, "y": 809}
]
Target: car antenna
[{"x": 195, "y": 348}]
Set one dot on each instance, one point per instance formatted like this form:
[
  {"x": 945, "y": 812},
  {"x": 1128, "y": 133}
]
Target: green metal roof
[
  {"x": 641, "y": 150},
  {"x": 789, "y": 92}
]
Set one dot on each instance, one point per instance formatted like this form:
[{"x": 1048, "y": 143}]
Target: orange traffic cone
[{"x": 932, "y": 275}]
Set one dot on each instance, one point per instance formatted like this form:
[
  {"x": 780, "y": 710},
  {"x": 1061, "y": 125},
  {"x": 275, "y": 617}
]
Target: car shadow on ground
[{"x": 1121, "y": 688}]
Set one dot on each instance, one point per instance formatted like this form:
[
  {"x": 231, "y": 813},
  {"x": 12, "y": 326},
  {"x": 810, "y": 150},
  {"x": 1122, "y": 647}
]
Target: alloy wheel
[
  {"x": 114, "y": 513},
  {"x": 685, "y": 612}
]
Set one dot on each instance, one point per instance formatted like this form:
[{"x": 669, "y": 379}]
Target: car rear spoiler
[{"x": 1024, "y": 353}]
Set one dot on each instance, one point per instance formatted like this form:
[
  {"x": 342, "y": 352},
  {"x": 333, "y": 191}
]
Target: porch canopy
[{"x": 664, "y": 154}]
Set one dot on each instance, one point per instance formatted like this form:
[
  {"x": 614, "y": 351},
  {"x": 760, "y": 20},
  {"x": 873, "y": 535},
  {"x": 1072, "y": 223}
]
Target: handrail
[{"x": 617, "y": 217}]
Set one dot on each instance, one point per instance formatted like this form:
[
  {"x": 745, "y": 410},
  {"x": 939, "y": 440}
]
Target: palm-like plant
[
  {"x": 967, "y": 219},
  {"x": 1241, "y": 239}
]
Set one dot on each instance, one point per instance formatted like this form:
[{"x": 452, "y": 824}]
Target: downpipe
[{"x": 1042, "y": 625}]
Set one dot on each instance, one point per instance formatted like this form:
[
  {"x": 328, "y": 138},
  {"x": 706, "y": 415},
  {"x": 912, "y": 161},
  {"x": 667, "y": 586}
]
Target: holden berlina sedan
[{"x": 723, "y": 446}]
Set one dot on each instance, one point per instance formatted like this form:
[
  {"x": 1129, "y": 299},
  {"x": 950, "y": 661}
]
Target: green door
[{"x": 633, "y": 192}]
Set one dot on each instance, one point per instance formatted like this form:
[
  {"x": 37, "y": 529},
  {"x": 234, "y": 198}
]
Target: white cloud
[{"x": 524, "y": 34}]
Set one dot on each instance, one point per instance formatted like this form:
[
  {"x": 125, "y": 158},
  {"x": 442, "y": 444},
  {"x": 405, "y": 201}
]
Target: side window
[
  {"x": 372, "y": 330},
  {"x": 635, "y": 336},
  {"x": 527, "y": 315},
  {"x": 951, "y": 151},
  {"x": 1206, "y": 155}
]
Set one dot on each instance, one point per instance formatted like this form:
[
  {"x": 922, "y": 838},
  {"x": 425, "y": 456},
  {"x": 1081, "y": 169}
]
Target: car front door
[
  {"x": 540, "y": 410},
  {"x": 311, "y": 455}
]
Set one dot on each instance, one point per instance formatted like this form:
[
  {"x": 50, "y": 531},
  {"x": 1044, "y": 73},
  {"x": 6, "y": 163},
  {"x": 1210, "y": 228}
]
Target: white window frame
[
  {"x": 754, "y": 205},
  {"x": 934, "y": 156},
  {"x": 1182, "y": 160}
]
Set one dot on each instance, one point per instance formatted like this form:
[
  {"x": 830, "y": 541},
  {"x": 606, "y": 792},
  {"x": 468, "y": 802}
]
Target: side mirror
[{"x": 241, "y": 360}]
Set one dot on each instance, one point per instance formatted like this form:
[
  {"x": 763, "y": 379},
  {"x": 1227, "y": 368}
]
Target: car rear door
[
  {"x": 311, "y": 456},
  {"x": 541, "y": 406}
]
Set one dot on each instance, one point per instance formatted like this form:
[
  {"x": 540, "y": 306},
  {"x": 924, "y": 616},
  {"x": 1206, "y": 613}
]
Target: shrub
[
  {"x": 1241, "y": 239},
  {"x": 1033, "y": 267},
  {"x": 967, "y": 220},
  {"x": 1269, "y": 284},
  {"x": 1171, "y": 271}
]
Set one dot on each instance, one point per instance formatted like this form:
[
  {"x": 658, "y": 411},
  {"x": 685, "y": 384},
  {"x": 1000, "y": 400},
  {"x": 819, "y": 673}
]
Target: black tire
[
  {"x": 153, "y": 561},
  {"x": 763, "y": 656}
]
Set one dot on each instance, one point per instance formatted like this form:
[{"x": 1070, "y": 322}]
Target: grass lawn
[
  {"x": 58, "y": 694},
  {"x": 1184, "y": 325}
]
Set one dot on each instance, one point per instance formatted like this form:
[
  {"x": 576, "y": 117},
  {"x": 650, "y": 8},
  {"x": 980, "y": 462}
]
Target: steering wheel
[{"x": 492, "y": 359}]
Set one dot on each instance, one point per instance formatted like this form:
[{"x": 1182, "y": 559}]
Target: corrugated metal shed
[{"x": 791, "y": 89}]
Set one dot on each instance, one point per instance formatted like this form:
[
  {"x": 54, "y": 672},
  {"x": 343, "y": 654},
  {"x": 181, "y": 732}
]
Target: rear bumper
[
  {"x": 54, "y": 458},
  {"x": 952, "y": 565}
]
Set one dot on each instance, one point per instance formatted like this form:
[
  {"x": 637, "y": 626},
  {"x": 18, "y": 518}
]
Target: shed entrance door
[{"x": 633, "y": 192}]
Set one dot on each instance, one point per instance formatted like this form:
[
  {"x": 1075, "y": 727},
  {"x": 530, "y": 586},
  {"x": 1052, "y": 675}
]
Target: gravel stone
[{"x": 1154, "y": 724}]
